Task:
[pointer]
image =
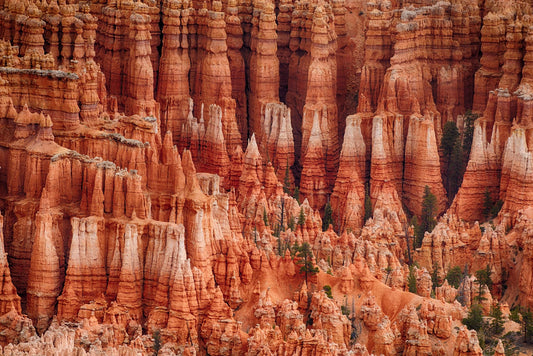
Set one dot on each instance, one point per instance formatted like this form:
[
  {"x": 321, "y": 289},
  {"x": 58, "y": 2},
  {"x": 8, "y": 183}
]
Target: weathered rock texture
[
  {"x": 500, "y": 143},
  {"x": 162, "y": 162}
]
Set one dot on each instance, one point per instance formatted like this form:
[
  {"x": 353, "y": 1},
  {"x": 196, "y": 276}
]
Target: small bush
[
  {"x": 515, "y": 315},
  {"x": 345, "y": 310},
  {"x": 327, "y": 289}
]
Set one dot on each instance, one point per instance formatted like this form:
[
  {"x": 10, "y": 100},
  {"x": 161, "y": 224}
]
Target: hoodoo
[{"x": 260, "y": 177}]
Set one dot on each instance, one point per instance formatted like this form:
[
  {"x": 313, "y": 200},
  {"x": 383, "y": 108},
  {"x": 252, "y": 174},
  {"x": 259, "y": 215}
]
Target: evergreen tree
[
  {"x": 484, "y": 276},
  {"x": 294, "y": 249},
  {"x": 297, "y": 194},
  {"x": 468, "y": 132},
  {"x": 454, "y": 276},
  {"x": 301, "y": 217},
  {"x": 455, "y": 169},
  {"x": 515, "y": 314},
  {"x": 453, "y": 151},
  {"x": 496, "y": 325},
  {"x": 305, "y": 260},
  {"x": 328, "y": 219},
  {"x": 496, "y": 208},
  {"x": 483, "y": 279},
  {"x": 292, "y": 223},
  {"x": 474, "y": 320},
  {"x": 427, "y": 219},
  {"x": 527, "y": 325},
  {"x": 450, "y": 135}
]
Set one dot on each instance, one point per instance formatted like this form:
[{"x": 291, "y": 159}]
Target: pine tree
[
  {"x": 468, "y": 132},
  {"x": 496, "y": 208},
  {"x": 515, "y": 314},
  {"x": 474, "y": 320},
  {"x": 292, "y": 223},
  {"x": 305, "y": 260},
  {"x": 427, "y": 219},
  {"x": 483, "y": 279},
  {"x": 455, "y": 169},
  {"x": 496, "y": 325},
  {"x": 429, "y": 205},
  {"x": 328, "y": 219},
  {"x": 301, "y": 217},
  {"x": 281, "y": 225},
  {"x": 484, "y": 276},
  {"x": 453, "y": 151},
  {"x": 297, "y": 194},
  {"x": 450, "y": 134},
  {"x": 454, "y": 276},
  {"x": 527, "y": 325},
  {"x": 294, "y": 249}
]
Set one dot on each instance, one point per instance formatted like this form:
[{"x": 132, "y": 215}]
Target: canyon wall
[{"x": 241, "y": 177}]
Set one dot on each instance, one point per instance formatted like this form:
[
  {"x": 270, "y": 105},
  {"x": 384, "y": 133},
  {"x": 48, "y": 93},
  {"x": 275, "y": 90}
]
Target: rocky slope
[{"x": 161, "y": 162}]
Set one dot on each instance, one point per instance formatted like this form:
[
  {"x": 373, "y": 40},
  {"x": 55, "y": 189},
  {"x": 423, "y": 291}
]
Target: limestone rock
[
  {"x": 9, "y": 299},
  {"x": 174, "y": 65},
  {"x": 467, "y": 343},
  {"x": 44, "y": 280},
  {"x": 313, "y": 184},
  {"x": 150, "y": 151},
  {"x": 264, "y": 67},
  {"x": 140, "y": 77},
  {"x": 347, "y": 199}
]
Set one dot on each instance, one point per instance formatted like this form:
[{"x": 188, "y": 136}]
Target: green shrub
[
  {"x": 454, "y": 276},
  {"x": 474, "y": 320},
  {"x": 327, "y": 289}
]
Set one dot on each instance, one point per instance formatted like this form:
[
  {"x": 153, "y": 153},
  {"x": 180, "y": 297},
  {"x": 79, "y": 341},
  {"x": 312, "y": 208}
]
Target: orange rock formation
[{"x": 165, "y": 167}]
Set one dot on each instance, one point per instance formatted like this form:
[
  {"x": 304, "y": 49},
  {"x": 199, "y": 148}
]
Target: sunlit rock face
[{"x": 240, "y": 177}]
